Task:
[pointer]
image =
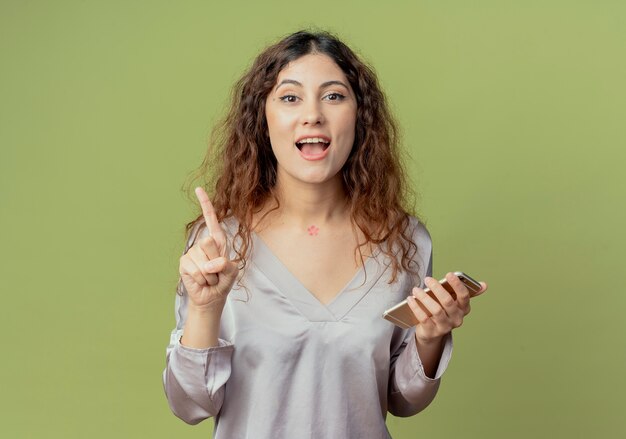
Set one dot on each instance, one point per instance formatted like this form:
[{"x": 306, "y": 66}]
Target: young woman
[{"x": 307, "y": 240}]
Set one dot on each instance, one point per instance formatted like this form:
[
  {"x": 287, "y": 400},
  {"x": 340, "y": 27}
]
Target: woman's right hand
[{"x": 206, "y": 269}]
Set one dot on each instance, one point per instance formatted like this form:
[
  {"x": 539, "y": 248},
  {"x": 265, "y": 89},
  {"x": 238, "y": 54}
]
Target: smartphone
[{"x": 402, "y": 315}]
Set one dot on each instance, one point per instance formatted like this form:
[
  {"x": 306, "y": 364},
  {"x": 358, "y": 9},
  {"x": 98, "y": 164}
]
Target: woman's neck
[{"x": 303, "y": 205}]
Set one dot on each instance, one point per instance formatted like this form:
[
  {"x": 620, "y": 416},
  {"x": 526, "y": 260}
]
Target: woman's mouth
[{"x": 313, "y": 148}]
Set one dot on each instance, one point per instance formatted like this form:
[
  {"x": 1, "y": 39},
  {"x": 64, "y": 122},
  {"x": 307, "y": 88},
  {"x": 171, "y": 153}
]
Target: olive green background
[{"x": 513, "y": 113}]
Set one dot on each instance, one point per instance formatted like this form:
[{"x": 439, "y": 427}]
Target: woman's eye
[
  {"x": 329, "y": 97},
  {"x": 288, "y": 98},
  {"x": 335, "y": 97}
]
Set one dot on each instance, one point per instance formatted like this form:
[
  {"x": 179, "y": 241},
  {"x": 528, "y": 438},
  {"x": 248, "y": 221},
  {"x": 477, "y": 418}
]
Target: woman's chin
[{"x": 311, "y": 176}]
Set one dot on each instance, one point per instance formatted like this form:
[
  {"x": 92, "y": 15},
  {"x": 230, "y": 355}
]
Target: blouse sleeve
[
  {"x": 410, "y": 390},
  {"x": 194, "y": 379}
]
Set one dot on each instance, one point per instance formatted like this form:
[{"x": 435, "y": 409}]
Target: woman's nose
[{"x": 312, "y": 114}]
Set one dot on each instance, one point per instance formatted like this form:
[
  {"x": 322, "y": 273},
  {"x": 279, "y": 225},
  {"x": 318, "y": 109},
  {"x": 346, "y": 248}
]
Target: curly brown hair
[{"x": 239, "y": 169}]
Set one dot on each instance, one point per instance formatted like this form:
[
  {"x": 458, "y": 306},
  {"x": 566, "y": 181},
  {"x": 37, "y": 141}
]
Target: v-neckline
[{"x": 302, "y": 298}]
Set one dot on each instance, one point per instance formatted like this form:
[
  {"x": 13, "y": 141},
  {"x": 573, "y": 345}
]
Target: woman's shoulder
[
  {"x": 424, "y": 252},
  {"x": 418, "y": 231}
]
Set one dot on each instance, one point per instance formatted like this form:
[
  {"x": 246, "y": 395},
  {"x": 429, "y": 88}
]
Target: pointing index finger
[{"x": 210, "y": 218}]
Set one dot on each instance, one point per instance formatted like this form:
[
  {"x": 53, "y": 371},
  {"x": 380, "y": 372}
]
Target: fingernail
[{"x": 209, "y": 265}]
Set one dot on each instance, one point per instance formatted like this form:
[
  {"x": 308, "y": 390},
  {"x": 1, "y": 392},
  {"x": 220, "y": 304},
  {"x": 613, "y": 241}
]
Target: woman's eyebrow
[{"x": 323, "y": 85}]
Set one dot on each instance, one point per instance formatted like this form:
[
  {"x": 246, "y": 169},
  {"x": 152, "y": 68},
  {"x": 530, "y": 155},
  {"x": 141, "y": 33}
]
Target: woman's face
[{"x": 311, "y": 116}]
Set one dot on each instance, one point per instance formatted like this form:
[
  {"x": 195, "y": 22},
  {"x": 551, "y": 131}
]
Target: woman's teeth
[{"x": 313, "y": 141}]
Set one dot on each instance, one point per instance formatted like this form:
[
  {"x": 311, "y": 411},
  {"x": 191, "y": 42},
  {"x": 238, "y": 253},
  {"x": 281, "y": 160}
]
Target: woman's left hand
[{"x": 446, "y": 314}]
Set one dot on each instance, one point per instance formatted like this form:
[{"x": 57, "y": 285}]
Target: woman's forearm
[
  {"x": 429, "y": 354},
  {"x": 202, "y": 326}
]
